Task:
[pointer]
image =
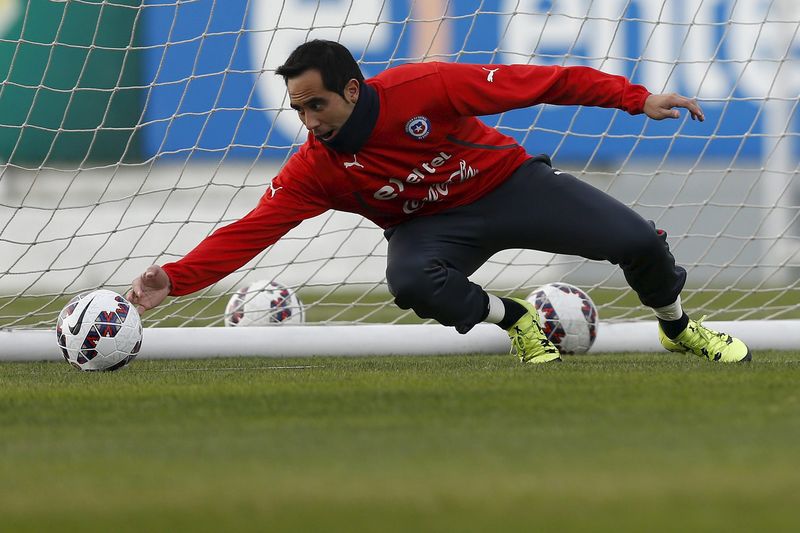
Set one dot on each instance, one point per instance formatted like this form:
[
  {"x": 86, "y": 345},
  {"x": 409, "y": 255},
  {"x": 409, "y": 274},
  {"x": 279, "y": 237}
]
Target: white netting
[{"x": 130, "y": 130}]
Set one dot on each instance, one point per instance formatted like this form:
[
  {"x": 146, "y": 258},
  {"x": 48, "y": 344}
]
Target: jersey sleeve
[
  {"x": 476, "y": 90},
  {"x": 291, "y": 198}
]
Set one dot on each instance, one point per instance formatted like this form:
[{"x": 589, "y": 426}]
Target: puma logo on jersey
[
  {"x": 273, "y": 190},
  {"x": 490, "y": 76},
  {"x": 353, "y": 163}
]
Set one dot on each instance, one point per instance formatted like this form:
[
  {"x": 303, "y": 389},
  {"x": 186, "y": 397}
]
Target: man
[{"x": 405, "y": 150}]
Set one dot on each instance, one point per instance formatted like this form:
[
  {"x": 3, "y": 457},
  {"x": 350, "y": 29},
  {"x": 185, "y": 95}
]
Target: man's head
[{"x": 323, "y": 81}]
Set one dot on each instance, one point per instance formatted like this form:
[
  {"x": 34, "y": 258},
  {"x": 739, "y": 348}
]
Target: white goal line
[{"x": 368, "y": 340}]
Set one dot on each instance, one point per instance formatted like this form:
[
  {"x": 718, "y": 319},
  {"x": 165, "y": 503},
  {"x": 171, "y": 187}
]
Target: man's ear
[{"x": 352, "y": 90}]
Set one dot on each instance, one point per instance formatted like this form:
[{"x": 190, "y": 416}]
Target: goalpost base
[{"x": 367, "y": 340}]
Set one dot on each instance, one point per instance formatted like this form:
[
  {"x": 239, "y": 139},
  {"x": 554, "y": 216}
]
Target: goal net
[{"x": 130, "y": 130}]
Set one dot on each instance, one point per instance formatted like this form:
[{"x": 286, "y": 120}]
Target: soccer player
[{"x": 405, "y": 150}]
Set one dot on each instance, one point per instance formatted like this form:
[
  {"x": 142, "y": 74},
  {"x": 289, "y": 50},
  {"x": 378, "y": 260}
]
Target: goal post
[{"x": 130, "y": 130}]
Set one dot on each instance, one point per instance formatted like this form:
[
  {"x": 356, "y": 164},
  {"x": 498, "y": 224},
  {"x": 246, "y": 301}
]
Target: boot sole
[{"x": 534, "y": 362}]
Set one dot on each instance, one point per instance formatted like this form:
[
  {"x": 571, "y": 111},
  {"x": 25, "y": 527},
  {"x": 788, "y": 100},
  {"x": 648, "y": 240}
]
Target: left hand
[
  {"x": 661, "y": 106},
  {"x": 149, "y": 289}
]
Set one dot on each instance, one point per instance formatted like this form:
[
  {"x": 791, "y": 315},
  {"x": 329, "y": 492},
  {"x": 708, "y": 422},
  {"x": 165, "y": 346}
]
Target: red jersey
[{"x": 426, "y": 153}]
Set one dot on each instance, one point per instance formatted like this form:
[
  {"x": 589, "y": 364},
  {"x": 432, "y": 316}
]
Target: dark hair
[{"x": 333, "y": 61}]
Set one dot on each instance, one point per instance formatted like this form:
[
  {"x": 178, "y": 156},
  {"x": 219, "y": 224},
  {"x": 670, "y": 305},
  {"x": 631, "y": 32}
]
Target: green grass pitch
[{"x": 472, "y": 443}]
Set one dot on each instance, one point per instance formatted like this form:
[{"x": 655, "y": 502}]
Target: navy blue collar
[{"x": 357, "y": 129}]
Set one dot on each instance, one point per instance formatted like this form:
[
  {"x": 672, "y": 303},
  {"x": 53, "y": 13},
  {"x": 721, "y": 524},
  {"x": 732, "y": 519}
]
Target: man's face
[{"x": 322, "y": 111}]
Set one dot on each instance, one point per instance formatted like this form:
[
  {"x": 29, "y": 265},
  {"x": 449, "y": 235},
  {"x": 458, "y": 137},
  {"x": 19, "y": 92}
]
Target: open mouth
[{"x": 328, "y": 135}]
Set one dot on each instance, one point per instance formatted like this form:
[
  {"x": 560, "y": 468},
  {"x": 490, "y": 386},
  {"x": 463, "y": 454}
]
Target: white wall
[{"x": 68, "y": 231}]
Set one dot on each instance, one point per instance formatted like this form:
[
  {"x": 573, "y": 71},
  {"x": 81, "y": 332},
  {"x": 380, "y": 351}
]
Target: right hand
[{"x": 149, "y": 289}]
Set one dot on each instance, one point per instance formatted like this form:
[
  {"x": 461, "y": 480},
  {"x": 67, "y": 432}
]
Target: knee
[
  {"x": 645, "y": 241},
  {"x": 412, "y": 283}
]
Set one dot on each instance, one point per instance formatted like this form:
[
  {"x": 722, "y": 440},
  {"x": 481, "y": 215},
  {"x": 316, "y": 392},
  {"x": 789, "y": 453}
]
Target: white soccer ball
[
  {"x": 99, "y": 330},
  {"x": 568, "y": 316},
  {"x": 264, "y": 303}
]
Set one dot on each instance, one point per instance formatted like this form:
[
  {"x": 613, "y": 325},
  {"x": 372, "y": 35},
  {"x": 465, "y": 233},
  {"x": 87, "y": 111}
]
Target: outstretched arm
[
  {"x": 661, "y": 106},
  {"x": 219, "y": 254},
  {"x": 489, "y": 89},
  {"x": 476, "y": 90},
  {"x": 288, "y": 201}
]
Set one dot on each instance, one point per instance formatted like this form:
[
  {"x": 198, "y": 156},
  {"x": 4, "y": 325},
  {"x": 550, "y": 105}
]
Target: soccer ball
[
  {"x": 264, "y": 303},
  {"x": 99, "y": 330},
  {"x": 568, "y": 316}
]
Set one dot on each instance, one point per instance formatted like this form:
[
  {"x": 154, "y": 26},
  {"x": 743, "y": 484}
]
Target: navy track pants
[{"x": 430, "y": 257}]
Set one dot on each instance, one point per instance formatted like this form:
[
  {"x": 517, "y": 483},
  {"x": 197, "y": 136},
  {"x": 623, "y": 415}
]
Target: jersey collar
[{"x": 357, "y": 129}]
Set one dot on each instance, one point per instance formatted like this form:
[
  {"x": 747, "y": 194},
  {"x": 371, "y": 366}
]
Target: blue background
[{"x": 217, "y": 113}]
